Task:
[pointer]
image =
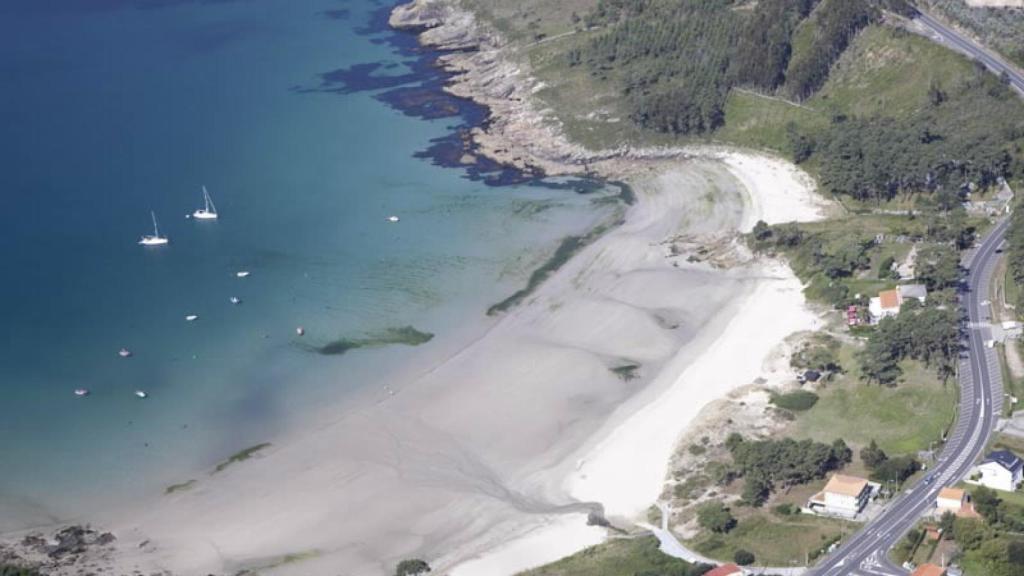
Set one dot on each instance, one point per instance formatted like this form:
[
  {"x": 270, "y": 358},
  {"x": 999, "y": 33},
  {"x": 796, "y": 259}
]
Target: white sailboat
[
  {"x": 156, "y": 239},
  {"x": 208, "y": 211}
]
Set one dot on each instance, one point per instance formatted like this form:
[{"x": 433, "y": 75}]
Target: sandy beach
[{"x": 568, "y": 407}]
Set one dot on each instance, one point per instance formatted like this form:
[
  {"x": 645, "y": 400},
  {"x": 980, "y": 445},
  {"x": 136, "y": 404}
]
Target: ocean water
[{"x": 310, "y": 123}]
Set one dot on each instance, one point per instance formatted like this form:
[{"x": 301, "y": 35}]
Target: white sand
[
  {"x": 778, "y": 190},
  {"x": 467, "y": 465},
  {"x": 626, "y": 470},
  {"x": 563, "y": 536}
]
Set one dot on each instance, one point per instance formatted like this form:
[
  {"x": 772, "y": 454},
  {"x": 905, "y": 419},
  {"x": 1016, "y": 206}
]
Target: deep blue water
[{"x": 310, "y": 123}]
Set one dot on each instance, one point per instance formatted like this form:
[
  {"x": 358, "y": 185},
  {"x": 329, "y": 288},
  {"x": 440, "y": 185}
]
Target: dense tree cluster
[
  {"x": 837, "y": 22},
  {"x": 962, "y": 137},
  {"x": 1015, "y": 252},
  {"x": 714, "y": 516},
  {"x": 678, "y": 59},
  {"x": 765, "y": 464},
  {"x": 928, "y": 334},
  {"x": 885, "y": 469},
  {"x": 993, "y": 542},
  {"x": 764, "y": 48},
  {"x": 938, "y": 267}
]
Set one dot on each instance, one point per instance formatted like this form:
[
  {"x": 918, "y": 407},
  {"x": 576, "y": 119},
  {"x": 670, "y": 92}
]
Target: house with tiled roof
[
  {"x": 842, "y": 496},
  {"x": 725, "y": 570},
  {"x": 929, "y": 570},
  {"x": 950, "y": 500},
  {"x": 889, "y": 302}
]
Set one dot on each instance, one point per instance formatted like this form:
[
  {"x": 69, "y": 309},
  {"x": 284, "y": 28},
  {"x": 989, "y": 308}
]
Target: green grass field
[
  {"x": 902, "y": 419},
  {"x": 619, "y": 557},
  {"x": 774, "y": 541}
]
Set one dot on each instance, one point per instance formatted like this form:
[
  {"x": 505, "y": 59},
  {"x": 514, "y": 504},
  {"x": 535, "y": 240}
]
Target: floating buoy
[
  {"x": 81, "y": 392},
  {"x": 300, "y": 331}
]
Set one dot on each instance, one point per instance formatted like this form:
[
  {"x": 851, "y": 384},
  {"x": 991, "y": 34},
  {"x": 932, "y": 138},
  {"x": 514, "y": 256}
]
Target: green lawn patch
[
  {"x": 620, "y": 557},
  {"x": 902, "y": 419},
  {"x": 756, "y": 121},
  {"x": 796, "y": 401},
  {"x": 774, "y": 540}
]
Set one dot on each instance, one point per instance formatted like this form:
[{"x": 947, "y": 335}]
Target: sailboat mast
[
  {"x": 209, "y": 201},
  {"x": 156, "y": 229}
]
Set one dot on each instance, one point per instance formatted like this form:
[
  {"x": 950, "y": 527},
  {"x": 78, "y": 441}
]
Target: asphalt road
[
  {"x": 953, "y": 39},
  {"x": 981, "y": 390},
  {"x": 980, "y": 402}
]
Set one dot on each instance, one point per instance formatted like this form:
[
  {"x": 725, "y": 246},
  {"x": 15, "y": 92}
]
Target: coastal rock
[{"x": 72, "y": 550}]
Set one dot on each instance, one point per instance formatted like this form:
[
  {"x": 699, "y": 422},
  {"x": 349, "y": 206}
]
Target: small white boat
[
  {"x": 124, "y": 353},
  {"x": 235, "y": 300},
  {"x": 141, "y": 394},
  {"x": 81, "y": 392},
  {"x": 393, "y": 219},
  {"x": 208, "y": 211},
  {"x": 156, "y": 239},
  {"x": 300, "y": 331},
  {"x": 191, "y": 317},
  {"x": 242, "y": 274}
]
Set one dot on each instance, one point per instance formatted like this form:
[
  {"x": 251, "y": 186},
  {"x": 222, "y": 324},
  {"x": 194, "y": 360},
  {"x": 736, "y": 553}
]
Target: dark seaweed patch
[
  {"x": 337, "y": 14},
  {"x": 567, "y": 248},
  {"x": 405, "y": 335},
  {"x": 359, "y": 78}
]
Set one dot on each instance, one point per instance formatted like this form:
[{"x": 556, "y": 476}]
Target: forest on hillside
[{"x": 676, "y": 61}]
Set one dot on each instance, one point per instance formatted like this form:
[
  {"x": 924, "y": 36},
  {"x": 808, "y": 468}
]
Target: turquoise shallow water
[{"x": 122, "y": 107}]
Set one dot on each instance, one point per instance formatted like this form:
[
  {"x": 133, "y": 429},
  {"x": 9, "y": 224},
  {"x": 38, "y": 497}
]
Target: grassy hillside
[
  {"x": 618, "y": 557},
  {"x": 874, "y": 111}
]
